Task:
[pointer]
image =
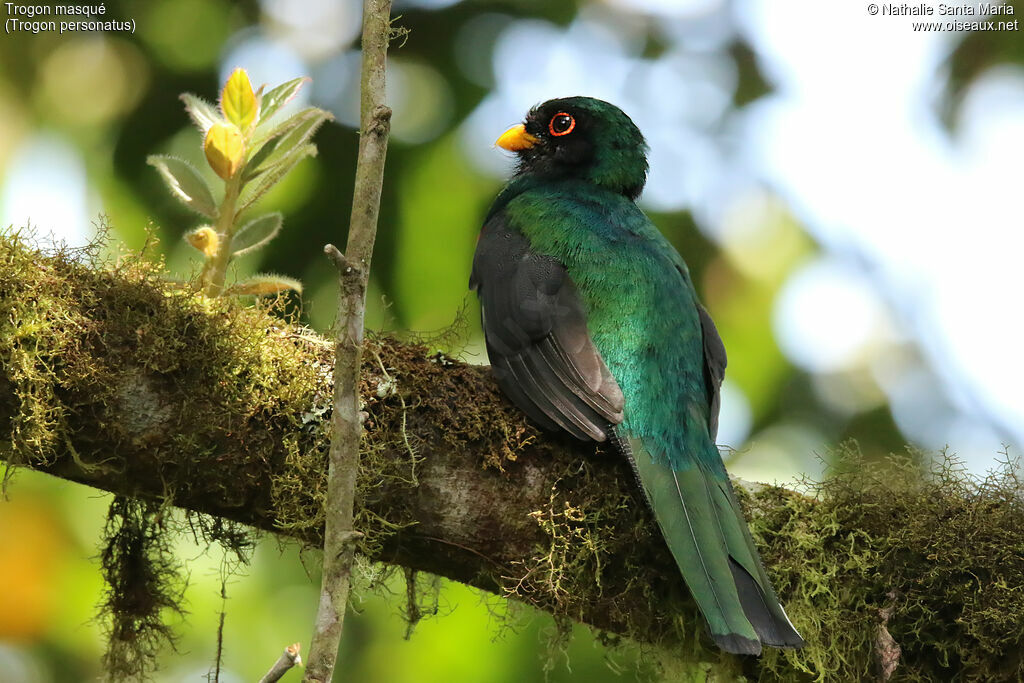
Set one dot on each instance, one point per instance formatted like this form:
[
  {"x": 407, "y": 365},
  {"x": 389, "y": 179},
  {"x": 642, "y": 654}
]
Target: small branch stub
[
  {"x": 289, "y": 658},
  {"x": 340, "y": 262},
  {"x": 351, "y": 280}
]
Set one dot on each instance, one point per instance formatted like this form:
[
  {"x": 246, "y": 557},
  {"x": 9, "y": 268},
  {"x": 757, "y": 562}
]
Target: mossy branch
[{"x": 113, "y": 378}]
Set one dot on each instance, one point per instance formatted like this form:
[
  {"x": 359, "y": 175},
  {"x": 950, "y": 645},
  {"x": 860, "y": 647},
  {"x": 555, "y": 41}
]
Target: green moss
[
  {"x": 939, "y": 549},
  {"x": 92, "y": 341},
  {"x": 95, "y": 341},
  {"x": 604, "y": 558}
]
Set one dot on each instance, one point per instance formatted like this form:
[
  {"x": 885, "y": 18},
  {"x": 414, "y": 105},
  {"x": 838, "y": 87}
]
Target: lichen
[
  {"x": 601, "y": 549},
  {"x": 422, "y": 599}
]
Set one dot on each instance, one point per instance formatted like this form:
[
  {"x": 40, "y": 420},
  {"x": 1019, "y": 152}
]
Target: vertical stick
[{"x": 353, "y": 271}]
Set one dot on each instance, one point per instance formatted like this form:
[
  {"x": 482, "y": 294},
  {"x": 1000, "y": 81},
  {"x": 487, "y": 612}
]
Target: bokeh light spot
[
  {"x": 186, "y": 35},
  {"x": 825, "y": 316},
  {"x": 735, "y": 416},
  {"x": 87, "y": 81},
  {"x": 313, "y": 28}
]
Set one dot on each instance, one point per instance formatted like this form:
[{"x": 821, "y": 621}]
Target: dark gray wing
[
  {"x": 537, "y": 338},
  {"x": 714, "y": 367}
]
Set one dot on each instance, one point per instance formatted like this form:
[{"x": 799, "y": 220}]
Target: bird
[{"x": 593, "y": 327}]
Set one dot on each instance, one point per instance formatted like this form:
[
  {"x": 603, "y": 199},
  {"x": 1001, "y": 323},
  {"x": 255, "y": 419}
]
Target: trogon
[{"x": 593, "y": 327}]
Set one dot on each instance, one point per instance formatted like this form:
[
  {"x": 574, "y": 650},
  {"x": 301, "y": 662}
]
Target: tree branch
[
  {"x": 113, "y": 378},
  {"x": 353, "y": 274}
]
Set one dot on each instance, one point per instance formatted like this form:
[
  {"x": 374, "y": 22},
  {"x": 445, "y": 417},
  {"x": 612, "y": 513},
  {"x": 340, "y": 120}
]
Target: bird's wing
[
  {"x": 537, "y": 338},
  {"x": 714, "y": 349},
  {"x": 714, "y": 367}
]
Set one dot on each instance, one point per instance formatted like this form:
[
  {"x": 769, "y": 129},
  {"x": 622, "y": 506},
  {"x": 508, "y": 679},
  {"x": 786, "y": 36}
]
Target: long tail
[{"x": 708, "y": 537}]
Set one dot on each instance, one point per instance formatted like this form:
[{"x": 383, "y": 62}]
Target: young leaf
[
  {"x": 185, "y": 183},
  {"x": 263, "y": 144},
  {"x": 274, "y": 174},
  {"x": 225, "y": 149},
  {"x": 238, "y": 101},
  {"x": 263, "y": 284},
  {"x": 256, "y": 233},
  {"x": 253, "y": 166},
  {"x": 297, "y": 130},
  {"x": 280, "y": 96},
  {"x": 204, "y": 239},
  {"x": 202, "y": 113},
  {"x": 300, "y": 118}
]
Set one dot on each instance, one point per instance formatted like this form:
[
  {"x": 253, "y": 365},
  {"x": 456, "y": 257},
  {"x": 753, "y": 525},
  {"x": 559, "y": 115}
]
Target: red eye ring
[{"x": 560, "y": 133}]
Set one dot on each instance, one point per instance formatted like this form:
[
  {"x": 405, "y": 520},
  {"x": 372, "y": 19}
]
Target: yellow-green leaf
[
  {"x": 279, "y": 96},
  {"x": 272, "y": 176},
  {"x": 262, "y": 285},
  {"x": 286, "y": 138},
  {"x": 225, "y": 149},
  {"x": 185, "y": 183},
  {"x": 203, "y": 113},
  {"x": 256, "y": 233},
  {"x": 238, "y": 101}
]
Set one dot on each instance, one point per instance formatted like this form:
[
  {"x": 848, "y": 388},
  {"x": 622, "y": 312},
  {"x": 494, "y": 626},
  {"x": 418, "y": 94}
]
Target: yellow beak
[{"x": 516, "y": 138}]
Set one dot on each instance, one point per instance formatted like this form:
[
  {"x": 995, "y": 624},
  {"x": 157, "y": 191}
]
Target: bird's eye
[{"x": 561, "y": 124}]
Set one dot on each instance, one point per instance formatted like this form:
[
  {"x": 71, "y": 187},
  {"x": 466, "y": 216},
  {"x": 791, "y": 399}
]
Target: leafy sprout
[{"x": 250, "y": 154}]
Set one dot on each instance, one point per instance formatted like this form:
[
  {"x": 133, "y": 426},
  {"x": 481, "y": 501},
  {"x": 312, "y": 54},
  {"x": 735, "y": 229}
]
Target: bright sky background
[
  {"x": 852, "y": 139},
  {"x": 920, "y": 228}
]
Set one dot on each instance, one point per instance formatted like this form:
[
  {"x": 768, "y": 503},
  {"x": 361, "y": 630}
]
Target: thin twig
[
  {"x": 220, "y": 626},
  {"x": 289, "y": 658},
  {"x": 353, "y": 271}
]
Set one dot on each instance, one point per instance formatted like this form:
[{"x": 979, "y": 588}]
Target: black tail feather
[
  {"x": 770, "y": 629},
  {"x": 737, "y": 644}
]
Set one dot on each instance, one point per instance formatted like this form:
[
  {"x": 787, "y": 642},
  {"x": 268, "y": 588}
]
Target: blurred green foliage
[{"x": 115, "y": 98}]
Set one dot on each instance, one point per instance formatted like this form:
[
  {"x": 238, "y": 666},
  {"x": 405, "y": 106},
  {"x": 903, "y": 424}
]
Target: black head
[{"x": 580, "y": 137}]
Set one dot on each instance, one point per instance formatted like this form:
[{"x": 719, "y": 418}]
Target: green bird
[{"x": 593, "y": 327}]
